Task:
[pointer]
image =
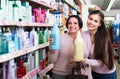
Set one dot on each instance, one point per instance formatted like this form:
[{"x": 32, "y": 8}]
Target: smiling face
[
  {"x": 73, "y": 25},
  {"x": 93, "y": 22}
]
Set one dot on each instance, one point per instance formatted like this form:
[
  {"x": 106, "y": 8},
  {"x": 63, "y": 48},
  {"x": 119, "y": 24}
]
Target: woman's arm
[
  {"x": 92, "y": 62},
  {"x": 53, "y": 56}
]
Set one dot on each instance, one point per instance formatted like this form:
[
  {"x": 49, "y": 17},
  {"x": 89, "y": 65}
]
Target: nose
[
  {"x": 72, "y": 24},
  {"x": 91, "y": 21}
]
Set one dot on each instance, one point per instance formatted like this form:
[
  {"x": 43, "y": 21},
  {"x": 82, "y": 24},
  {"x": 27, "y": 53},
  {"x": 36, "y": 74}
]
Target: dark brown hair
[
  {"x": 103, "y": 49},
  {"x": 79, "y": 21}
]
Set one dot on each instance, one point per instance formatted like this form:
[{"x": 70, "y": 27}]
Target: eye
[
  {"x": 75, "y": 23},
  {"x": 69, "y": 23},
  {"x": 90, "y": 18},
  {"x": 96, "y": 21}
]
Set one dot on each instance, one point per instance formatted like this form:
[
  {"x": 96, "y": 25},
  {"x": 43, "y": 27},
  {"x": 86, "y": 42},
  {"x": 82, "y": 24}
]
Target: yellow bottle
[{"x": 78, "y": 48}]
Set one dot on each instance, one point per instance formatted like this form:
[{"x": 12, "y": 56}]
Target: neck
[
  {"x": 92, "y": 33},
  {"x": 72, "y": 35}
]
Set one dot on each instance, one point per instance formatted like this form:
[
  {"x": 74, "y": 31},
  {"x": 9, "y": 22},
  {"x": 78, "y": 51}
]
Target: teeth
[
  {"x": 91, "y": 25},
  {"x": 72, "y": 28}
]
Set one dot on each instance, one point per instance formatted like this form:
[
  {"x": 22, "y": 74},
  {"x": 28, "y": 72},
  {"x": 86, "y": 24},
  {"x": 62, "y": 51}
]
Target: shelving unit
[
  {"x": 11, "y": 55},
  {"x": 27, "y": 24},
  {"x": 37, "y": 70},
  {"x": 38, "y": 3},
  {"x": 42, "y": 3},
  {"x": 4, "y": 58},
  {"x": 64, "y": 1}
]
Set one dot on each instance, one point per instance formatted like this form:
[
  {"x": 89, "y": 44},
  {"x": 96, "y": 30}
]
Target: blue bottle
[
  {"x": 1, "y": 41},
  {"x": 55, "y": 34}
]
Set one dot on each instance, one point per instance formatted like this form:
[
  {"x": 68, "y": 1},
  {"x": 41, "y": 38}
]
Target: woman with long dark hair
[{"x": 101, "y": 57}]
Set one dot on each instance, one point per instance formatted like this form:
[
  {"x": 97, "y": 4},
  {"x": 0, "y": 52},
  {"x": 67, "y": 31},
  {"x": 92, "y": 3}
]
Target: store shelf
[
  {"x": 43, "y": 4},
  {"x": 8, "y": 56},
  {"x": 38, "y": 70},
  {"x": 64, "y": 1},
  {"x": 5, "y": 23},
  {"x": 28, "y": 24},
  {"x": 33, "y": 24},
  {"x": 56, "y": 11}
]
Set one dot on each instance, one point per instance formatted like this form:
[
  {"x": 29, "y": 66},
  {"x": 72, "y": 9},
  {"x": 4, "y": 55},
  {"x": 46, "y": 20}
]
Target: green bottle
[
  {"x": 46, "y": 35},
  {"x": 40, "y": 36}
]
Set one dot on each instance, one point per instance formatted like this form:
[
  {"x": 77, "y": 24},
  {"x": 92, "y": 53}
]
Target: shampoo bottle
[
  {"x": 1, "y": 41},
  {"x": 11, "y": 70},
  {"x": 21, "y": 70},
  {"x": 79, "y": 48},
  {"x": 16, "y": 41},
  {"x": 55, "y": 34},
  {"x": 40, "y": 36}
]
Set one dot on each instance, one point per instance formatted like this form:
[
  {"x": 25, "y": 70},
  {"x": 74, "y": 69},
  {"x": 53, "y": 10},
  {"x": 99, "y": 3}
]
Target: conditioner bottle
[
  {"x": 79, "y": 48},
  {"x": 55, "y": 34},
  {"x": 21, "y": 70}
]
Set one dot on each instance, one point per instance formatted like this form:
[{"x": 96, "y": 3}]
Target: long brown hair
[{"x": 103, "y": 49}]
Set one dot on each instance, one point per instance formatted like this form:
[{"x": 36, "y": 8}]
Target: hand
[
  {"x": 83, "y": 60},
  {"x": 71, "y": 64},
  {"x": 51, "y": 40}
]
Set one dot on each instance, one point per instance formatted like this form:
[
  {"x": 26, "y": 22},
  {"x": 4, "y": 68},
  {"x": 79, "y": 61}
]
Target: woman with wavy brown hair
[{"x": 100, "y": 48}]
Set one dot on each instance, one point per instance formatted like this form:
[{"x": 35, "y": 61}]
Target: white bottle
[
  {"x": 11, "y": 70},
  {"x": 79, "y": 48}
]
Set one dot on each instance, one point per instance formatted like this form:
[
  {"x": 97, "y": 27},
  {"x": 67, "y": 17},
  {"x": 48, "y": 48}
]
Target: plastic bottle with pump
[{"x": 55, "y": 34}]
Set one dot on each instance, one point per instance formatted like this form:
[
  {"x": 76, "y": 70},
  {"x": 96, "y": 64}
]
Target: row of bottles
[
  {"x": 19, "y": 67},
  {"x": 19, "y": 10},
  {"x": 19, "y": 39},
  {"x": 58, "y": 17},
  {"x": 14, "y": 71},
  {"x": 22, "y": 11}
]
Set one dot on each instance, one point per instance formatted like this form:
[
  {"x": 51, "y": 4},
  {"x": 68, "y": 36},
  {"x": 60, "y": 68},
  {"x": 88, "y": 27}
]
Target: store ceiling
[{"x": 103, "y": 4}]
